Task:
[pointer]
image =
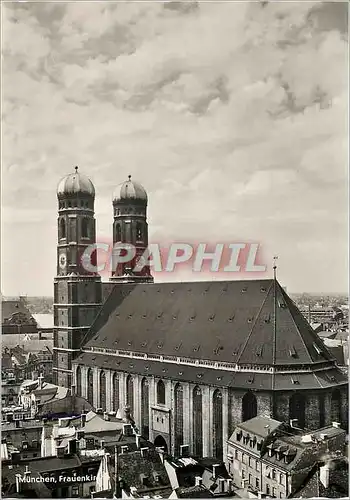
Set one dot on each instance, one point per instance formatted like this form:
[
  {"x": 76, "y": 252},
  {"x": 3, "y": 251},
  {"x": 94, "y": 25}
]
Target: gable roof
[{"x": 232, "y": 321}]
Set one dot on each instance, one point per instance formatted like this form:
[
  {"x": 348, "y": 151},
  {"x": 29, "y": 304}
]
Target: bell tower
[
  {"x": 130, "y": 227},
  {"x": 77, "y": 287}
]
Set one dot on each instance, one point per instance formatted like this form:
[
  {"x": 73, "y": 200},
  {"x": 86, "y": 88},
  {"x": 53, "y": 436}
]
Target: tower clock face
[{"x": 62, "y": 260}]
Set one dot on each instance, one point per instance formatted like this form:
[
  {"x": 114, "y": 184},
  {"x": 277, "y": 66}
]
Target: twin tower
[{"x": 78, "y": 289}]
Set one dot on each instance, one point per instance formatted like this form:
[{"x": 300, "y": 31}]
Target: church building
[{"x": 190, "y": 360}]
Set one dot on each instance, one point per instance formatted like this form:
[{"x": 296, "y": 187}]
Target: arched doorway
[
  {"x": 297, "y": 409},
  {"x": 249, "y": 406},
  {"x": 160, "y": 442}
]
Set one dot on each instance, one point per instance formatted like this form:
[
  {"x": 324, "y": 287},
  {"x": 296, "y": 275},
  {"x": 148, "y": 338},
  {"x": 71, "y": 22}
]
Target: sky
[{"x": 233, "y": 116}]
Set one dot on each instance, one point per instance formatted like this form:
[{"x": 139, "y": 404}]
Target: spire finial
[
  {"x": 275, "y": 266},
  {"x": 76, "y": 169},
  {"x": 129, "y": 177}
]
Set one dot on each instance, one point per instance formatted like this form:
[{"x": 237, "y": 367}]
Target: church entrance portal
[{"x": 160, "y": 442}]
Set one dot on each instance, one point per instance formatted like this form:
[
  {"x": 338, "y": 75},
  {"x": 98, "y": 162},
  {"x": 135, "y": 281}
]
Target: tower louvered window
[
  {"x": 145, "y": 408},
  {"x": 90, "y": 386},
  {"x": 197, "y": 419},
  {"x": 179, "y": 418},
  {"x": 217, "y": 425},
  {"x": 103, "y": 390}
]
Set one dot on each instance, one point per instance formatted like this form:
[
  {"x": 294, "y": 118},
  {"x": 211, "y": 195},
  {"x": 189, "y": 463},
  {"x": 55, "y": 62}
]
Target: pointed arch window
[
  {"x": 78, "y": 381},
  {"x": 249, "y": 406},
  {"x": 145, "y": 408},
  {"x": 217, "y": 425},
  {"x": 90, "y": 386},
  {"x": 130, "y": 393},
  {"x": 62, "y": 228},
  {"x": 160, "y": 392},
  {"x": 335, "y": 405},
  {"x": 197, "y": 419},
  {"x": 297, "y": 409},
  {"x": 103, "y": 390},
  {"x": 179, "y": 418}
]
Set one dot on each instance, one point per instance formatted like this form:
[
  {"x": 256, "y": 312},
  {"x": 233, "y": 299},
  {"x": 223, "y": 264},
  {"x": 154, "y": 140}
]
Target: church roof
[
  {"x": 74, "y": 183},
  {"x": 251, "y": 322}
]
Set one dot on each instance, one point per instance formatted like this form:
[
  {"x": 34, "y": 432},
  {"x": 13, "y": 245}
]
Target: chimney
[
  {"x": 293, "y": 423},
  {"x": 99, "y": 411},
  {"x": 221, "y": 485},
  {"x": 324, "y": 474},
  {"x": 72, "y": 389},
  {"x": 102, "y": 444},
  {"x": 144, "y": 452},
  {"x": 83, "y": 419},
  {"x": 127, "y": 430},
  {"x": 336, "y": 424},
  {"x": 229, "y": 485},
  {"x": 199, "y": 481},
  {"x": 105, "y": 416},
  {"x": 215, "y": 470},
  {"x": 27, "y": 471},
  {"x": 124, "y": 449},
  {"x": 72, "y": 446},
  {"x": 40, "y": 381},
  {"x": 184, "y": 450},
  {"x": 137, "y": 439}
]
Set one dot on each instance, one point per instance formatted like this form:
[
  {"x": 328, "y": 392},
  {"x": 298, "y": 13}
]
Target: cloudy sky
[{"x": 232, "y": 115}]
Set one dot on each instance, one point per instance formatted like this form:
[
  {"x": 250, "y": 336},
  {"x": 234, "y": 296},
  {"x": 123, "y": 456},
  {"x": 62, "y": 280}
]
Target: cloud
[{"x": 232, "y": 115}]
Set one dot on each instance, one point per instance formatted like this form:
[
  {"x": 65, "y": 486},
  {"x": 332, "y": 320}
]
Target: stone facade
[{"x": 162, "y": 416}]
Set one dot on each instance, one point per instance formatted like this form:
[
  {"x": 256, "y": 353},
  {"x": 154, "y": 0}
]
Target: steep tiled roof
[{"x": 232, "y": 321}]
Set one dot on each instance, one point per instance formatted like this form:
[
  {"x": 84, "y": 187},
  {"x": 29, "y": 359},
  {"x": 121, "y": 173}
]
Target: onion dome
[
  {"x": 130, "y": 191},
  {"x": 75, "y": 183}
]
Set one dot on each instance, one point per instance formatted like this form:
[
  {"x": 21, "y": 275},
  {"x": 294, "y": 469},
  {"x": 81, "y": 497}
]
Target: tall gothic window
[
  {"x": 130, "y": 393},
  {"x": 90, "y": 386},
  {"x": 197, "y": 422},
  {"x": 160, "y": 392},
  {"x": 78, "y": 381},
  {"x": 62, "y": 227},
  {"x": 335, "y": 405},
  {"x": 145, "y": 408},
  {"x": 297, "y": 408},
  {"x": 115, "y": 392},
  {"x": 179, "y": 418},
  {"x": 249, "y": 406},
  {"x": 217, "y": 425},
  {"x": 103, "y": 390}
]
